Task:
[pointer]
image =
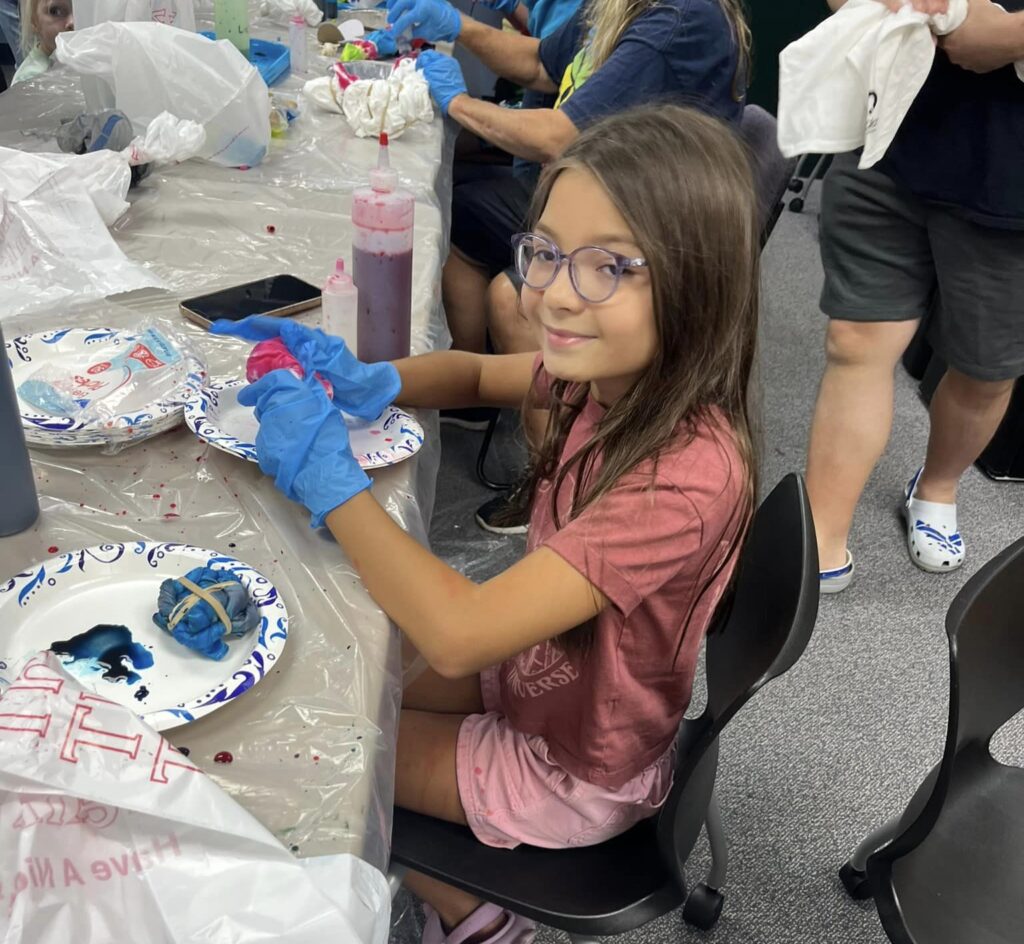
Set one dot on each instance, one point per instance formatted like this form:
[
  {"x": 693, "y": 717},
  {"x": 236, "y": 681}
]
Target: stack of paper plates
[{"x": 69, "y": 347}]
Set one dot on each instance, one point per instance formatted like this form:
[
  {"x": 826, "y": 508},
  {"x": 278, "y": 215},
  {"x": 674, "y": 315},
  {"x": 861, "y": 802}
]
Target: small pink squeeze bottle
[{"x": 382, "y": 218}]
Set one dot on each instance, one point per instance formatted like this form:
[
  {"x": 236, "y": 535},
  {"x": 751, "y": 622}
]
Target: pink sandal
[{"x": 514, "y": 930}]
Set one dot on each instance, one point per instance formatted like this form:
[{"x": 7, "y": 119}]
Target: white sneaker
[{"x": 933, "y": 541}]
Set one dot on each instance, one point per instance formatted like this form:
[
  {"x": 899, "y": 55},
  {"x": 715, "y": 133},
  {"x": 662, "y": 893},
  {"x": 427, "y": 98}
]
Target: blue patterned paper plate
[
  {"x": 214, "y": 414},
  {"x": 29, "y": 352},
  {"x": 116, "y": 585}
]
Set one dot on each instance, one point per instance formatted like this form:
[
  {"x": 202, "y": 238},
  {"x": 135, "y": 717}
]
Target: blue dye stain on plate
[{"x": 106, "y": 650}]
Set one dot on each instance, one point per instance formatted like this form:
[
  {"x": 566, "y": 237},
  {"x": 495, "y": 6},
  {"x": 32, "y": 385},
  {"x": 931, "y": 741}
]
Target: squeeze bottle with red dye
[{"x": 382, "y": 217}]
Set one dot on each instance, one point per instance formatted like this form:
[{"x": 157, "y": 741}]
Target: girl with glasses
[{"x": 554, "y": 691}]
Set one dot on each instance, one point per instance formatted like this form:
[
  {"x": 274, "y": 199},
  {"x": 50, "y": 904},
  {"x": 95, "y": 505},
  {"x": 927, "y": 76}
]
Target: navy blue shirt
[
  {"x": 678, "y": 50},
  {"x": 962, "y": 143}
]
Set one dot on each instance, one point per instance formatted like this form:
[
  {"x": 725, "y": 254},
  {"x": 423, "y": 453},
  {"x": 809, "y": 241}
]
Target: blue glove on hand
[
  {"x": 363, "y": 390},
  {"x": 443, "y": 75},
  {"x": 431, "y": 20},
  {"x": 303, "y": 443},
  {"x": 508, "y": 7},
  {"x": 385, "y": 41}
]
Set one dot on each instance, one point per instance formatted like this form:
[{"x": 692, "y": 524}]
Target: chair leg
[
  {"x": 853, "y": 874},
  {"x": 719, "y": 847},
  {"x": 396, "y": 875},
  {"x": 703, "y": 905},
  {"x": 874, "y": 842},
  {"x": 481, "y": 458}
]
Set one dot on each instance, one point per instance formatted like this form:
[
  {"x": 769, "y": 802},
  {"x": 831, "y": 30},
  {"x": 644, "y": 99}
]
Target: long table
[{"x": 313, "y": 744}]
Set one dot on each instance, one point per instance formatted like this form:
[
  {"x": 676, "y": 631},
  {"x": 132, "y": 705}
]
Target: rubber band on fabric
[{"x": 199, "y": 593}]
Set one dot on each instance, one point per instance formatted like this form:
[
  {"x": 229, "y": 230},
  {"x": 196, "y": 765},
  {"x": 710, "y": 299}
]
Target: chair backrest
[
  {"x": 760, "y": 633},
  {"x": 985, "y": 625},
  {"x": 772, "y": 171}
]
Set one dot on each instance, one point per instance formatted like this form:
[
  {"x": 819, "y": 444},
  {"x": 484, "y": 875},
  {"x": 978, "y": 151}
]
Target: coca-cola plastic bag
[{"x": 109, "y": 835}]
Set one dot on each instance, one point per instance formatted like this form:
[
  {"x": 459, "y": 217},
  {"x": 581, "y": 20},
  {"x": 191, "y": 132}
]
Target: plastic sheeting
[{"x": 313, "y": 745}]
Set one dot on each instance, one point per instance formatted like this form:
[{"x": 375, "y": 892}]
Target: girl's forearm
[
  {"x": 440, "y": 380},
  {"x": 428, "y": 599}
]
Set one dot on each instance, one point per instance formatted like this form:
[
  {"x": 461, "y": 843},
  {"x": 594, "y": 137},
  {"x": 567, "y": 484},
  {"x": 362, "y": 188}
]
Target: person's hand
[
  {"x": 931, "y": 7},
  {"x": 983, "y": 42},
  {"x": 507, "y": 7},
  {"x": 303, "y": 443},
  {"x": 432, "y": 20},
  {"x": 385, "y": 41},
  {"x": 443, "y": 75},
  {"x": 363, "y": 390}
]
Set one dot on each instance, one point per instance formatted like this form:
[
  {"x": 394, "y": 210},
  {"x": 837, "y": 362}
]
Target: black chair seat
[
  {"x": 611, "y": 888},
  {"x": 965, "y": 882}
]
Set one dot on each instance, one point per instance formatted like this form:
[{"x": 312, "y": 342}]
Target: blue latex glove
[
  {"x": 432, "y": 20},
  {"x": 508, "y": 7},
  {"x": 443, "y": 75},
  {"x": 363, "y": 390},
  {"x": 385, "y": 41},
  {"x": 303, "y": 443}
]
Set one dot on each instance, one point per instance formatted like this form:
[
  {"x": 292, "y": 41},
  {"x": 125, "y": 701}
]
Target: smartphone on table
[{"x": 278, "y": 295}]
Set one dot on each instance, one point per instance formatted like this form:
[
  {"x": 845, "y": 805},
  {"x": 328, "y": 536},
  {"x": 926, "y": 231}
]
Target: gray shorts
[{"x": 887, "y": 255}]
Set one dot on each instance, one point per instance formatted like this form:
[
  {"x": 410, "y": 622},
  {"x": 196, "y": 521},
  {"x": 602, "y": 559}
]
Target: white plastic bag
[
  {"x": 180, "y": 13},
  {"x": 167, "y": 139},
  {"x": 108, "y": 834},
  {"x": 148, "y": 68},
  {"x": 54, "y": 243},
  {"x": 281, "y": 11}
]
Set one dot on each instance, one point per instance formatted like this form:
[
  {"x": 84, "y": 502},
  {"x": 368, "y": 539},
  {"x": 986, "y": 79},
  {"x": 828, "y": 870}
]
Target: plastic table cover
[{"x": 313, "y": 744}]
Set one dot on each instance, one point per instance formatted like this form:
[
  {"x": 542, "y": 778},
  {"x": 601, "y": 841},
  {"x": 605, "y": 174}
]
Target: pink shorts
[{"x": 513, "y": 792}]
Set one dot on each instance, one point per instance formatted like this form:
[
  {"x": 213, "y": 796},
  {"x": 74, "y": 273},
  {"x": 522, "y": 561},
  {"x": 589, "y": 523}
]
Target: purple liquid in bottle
[
  {"x": 382, "y": 217},
  {"x": 384, "y": 281}
]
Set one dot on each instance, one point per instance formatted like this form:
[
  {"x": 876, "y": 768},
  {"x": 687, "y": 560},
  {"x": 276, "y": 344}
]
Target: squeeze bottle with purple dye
[{"x": 382, "y": 217}]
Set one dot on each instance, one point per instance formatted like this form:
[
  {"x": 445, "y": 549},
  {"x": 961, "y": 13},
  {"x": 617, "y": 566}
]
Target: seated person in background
[
  {"x": 41, "y": 21},
  {"x": 689, "y": 51},
  {"x": 549, "y": 713},
  {"x": 535, "y": 17}
]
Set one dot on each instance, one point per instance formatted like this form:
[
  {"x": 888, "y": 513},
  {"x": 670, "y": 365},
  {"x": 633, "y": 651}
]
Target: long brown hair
[
  {"x": 682, "y": 182},
  {"x": 607, "y": 20}
]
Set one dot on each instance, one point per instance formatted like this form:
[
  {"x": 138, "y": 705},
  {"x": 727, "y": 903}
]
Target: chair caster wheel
[
  {"x": 855, "y": 882},
  {"x": 796, "y": 205},
  {"x": 703, "y": 907},
  {"x": 796, "y": 185}
]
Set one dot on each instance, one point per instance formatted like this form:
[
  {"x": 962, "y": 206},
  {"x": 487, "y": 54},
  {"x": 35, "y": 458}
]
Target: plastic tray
[{"x": 272, "y": 60}]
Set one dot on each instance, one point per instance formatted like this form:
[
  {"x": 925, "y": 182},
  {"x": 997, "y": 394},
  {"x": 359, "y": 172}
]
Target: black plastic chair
[
  {"x": 628, "y": 881},
  {"x": 772, "y": 174},
  {"x": 950, "y": 870}
]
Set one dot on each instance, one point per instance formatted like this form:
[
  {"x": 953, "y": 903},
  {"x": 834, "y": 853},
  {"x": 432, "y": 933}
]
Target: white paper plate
[
  {"x": 118, "y": 584},
  {"x": 215, "y": 416},
  {"x": 29, "y": 352}
]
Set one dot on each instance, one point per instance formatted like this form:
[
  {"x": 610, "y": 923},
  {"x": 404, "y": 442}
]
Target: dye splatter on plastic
[
  {"x": 141, "y": 693},
  {"x": 223, "y": 757},
  {"x": 105, "y": 649}
]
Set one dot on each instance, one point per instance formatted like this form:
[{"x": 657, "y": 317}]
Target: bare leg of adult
[
  {"x": 464, "y": 290},
  {"x": 511, "y": 331},
  {"x": 851, "y": 426},
  {"x": 965, "y": 414}
]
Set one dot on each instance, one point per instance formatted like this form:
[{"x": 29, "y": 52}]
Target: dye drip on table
[{"x": 105, "y": 649}]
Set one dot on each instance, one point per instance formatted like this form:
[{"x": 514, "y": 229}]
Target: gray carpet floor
[{"x": 840, "y": 743}]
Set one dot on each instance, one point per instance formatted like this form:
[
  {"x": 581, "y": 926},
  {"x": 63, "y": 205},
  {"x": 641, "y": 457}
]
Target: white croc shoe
[
  {"x": 933, "y": 541},
  {"x": 835, "y": 581}
]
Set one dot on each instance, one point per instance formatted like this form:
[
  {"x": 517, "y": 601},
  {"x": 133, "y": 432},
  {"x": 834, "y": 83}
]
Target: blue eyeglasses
[{"x": 594, "y": 272}]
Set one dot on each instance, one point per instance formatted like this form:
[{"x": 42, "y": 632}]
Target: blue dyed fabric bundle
[{"x": 203, "y": 607}]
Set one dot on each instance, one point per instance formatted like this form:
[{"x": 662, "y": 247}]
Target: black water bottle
[{"x": 19, "y": 505}]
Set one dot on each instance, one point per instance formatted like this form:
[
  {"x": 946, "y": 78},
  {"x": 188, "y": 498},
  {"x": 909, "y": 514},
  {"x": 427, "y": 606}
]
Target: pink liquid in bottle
[{"x": 382, "y": 217}]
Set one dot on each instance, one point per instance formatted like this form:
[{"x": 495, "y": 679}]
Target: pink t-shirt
[{"x": 649, "y": 545}]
